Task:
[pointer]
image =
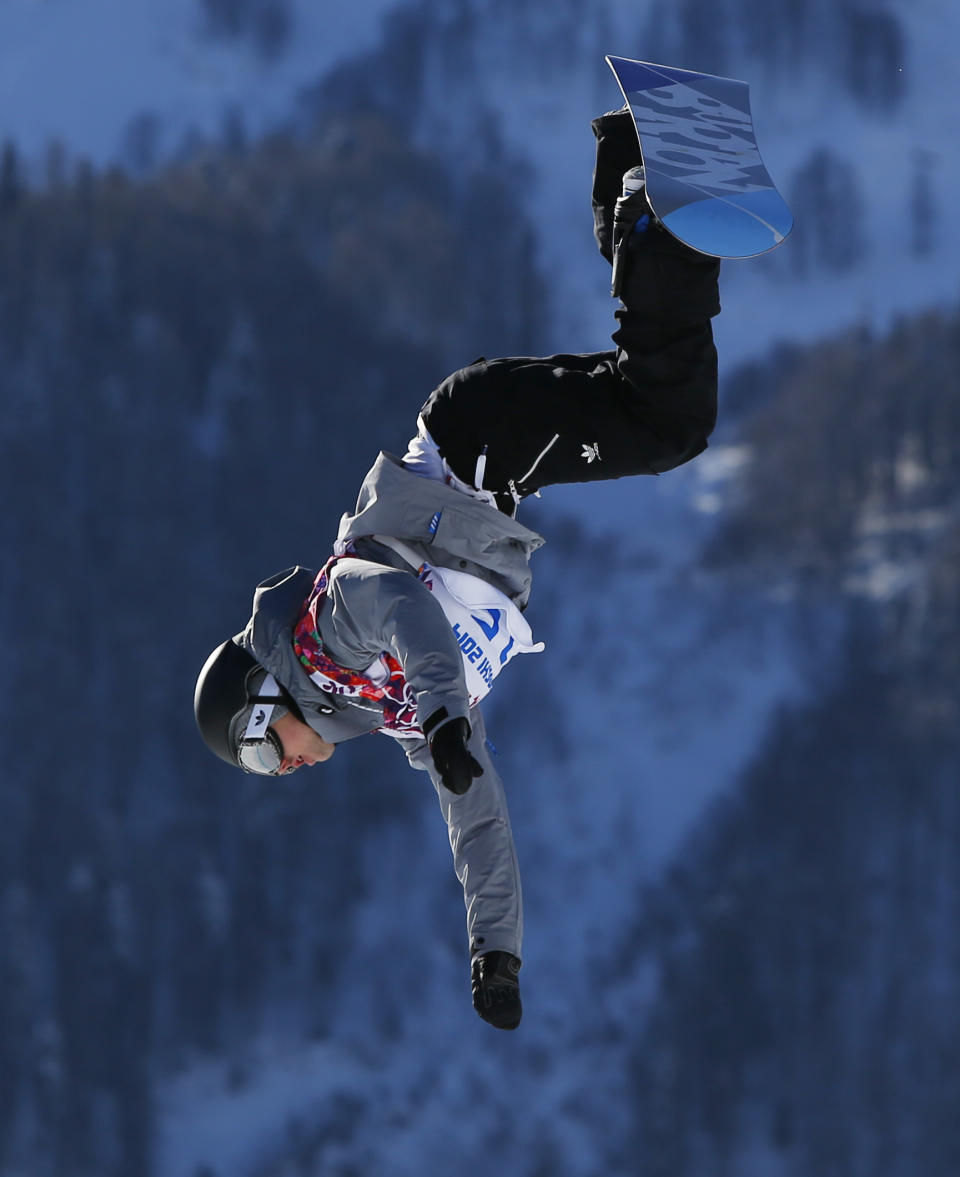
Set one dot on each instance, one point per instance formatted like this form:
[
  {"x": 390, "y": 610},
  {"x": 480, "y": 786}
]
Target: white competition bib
[{"x": 489, "y": 628}]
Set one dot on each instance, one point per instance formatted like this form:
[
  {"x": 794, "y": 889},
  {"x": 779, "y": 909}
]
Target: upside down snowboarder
[{"x": 420, "y": 606}]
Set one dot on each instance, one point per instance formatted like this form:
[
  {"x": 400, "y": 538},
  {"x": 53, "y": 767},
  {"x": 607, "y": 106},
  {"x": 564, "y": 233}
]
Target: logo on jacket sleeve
[{"x": 591, "y": 452}]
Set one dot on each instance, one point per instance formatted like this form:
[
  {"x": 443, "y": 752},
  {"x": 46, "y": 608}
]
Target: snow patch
[{"x": 207, "y": 1118}]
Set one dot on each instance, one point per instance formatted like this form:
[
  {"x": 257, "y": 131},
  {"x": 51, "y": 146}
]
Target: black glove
[{"x": 452, "y": 758}]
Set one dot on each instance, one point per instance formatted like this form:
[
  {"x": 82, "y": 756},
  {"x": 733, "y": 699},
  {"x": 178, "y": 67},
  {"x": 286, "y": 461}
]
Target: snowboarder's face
[{"x": 301, "y": 744}]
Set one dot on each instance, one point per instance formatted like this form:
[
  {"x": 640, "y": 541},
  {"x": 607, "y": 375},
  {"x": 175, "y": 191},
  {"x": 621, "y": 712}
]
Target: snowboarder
[{"x": 418, "y": 610}]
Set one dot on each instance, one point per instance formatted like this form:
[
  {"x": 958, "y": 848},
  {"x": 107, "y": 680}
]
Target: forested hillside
[
  {"x": 176, "y": 413},
  {"x": 803, "y": 947},
  {"x": 197, "y": 370},
  {"x": 200, "y": 353}
]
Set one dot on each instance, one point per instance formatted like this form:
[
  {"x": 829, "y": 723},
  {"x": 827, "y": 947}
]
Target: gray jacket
[{"x": 375, "y": 603}]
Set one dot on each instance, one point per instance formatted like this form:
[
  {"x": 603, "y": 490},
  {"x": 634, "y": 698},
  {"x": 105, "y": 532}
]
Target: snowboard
[{"x": 705, "y": 179}]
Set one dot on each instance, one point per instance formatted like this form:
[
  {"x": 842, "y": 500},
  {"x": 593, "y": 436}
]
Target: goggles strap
[{"x": 264, "y": 702}]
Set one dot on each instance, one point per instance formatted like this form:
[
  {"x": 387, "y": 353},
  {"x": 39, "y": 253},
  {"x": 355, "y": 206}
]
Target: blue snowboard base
[{"x": 705, "y": 178}]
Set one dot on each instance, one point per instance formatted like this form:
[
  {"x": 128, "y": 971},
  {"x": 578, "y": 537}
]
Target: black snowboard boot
[
  {"x": 632, "y": 212},
  {"x": 618, "y": 150},
  {"x": 496, "y": 989}
]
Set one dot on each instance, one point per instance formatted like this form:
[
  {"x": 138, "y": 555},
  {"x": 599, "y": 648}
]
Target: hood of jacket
[
  {"x": 444, "y": 526},
  {"x": 268, "y": 636}
]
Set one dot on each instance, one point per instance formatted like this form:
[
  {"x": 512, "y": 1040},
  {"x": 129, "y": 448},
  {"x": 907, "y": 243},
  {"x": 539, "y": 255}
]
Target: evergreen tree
[
  {"x": 923, "y": 205},
  {"x": 226, "y": 18},
  {"x": 876, "y": 55},
  {"x": 829, "y": 206},
  {"x": 140, "y": 143},
  {"x": 56, "y": 167},
  {"x": 272, "y": 27},
  {"x": 11, "y": 180}
]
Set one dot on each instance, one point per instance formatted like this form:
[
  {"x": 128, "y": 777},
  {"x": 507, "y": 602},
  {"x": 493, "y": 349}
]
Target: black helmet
[{"x": 228, "y": 686}]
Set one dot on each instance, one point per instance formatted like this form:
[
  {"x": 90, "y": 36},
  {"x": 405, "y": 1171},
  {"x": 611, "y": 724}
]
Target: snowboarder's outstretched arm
[
  {"x": 484, "y": 856},
  {"x": 371, "y": 609}
]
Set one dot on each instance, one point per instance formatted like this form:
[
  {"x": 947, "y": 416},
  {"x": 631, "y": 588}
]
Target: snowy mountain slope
[
  {"x": 602, "y": 794},
  {"x": 679, "y": 683},
  {"x": 773, "y": 951},
  {"x": 893, "y": 139},
  {"x": 593, "y": 822},
  {"x": 80, "y": 71}
]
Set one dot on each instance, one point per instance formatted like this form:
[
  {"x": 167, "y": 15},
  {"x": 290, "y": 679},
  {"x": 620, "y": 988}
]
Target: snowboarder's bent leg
[
  {"x": 643, "y": 409},
  {"x": 666, "y": 355}
]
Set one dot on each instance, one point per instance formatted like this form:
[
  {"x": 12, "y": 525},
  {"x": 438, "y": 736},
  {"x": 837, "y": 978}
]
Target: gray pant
[{"x": 484, "y": 856}]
